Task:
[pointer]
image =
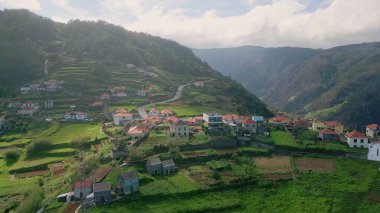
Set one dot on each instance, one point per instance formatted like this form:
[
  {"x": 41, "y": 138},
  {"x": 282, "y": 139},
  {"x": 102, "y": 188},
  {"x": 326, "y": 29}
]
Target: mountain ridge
[{"x": 313, "y": 82}]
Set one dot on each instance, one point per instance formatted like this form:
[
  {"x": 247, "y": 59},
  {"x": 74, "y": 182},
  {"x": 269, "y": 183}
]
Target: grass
[
  {"x": 68, "y": 131},
  {"x": 253, "y": 149},
  {"x": 283, "y": 138},
  {"x": 345, "y": 190},
  {"x": 168, "y": 184}
]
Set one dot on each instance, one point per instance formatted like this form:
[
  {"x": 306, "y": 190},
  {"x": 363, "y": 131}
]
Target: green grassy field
[
  {"x": 345, "y": 190},
  {"x": 283, "y": 138}
]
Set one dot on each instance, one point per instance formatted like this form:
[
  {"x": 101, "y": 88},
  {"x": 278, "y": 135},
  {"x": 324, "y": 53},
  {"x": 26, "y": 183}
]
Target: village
[{"x": 151, "y": 146}]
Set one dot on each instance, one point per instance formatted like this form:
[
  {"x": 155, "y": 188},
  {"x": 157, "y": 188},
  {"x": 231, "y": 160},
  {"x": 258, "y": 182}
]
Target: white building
[
  {"x": 373, "y": 131},
  {"x": 212, "y": 119},
  {"x": 105, "y": 96},
  {"x": 75, "y": 116},
  {"x": 250, "y": 125},
  {"x": 28, "y": 110},
  {"x": 122, "y": 118},
  {"x": 357, "y": 140},
  {"x": 154, "y": 112},
  {"x": 120, "y": 94},
  {"x": 179, "y": 128},
  {"x": 142, "y": 92},
  {"x": 49, "y": 104},
  {"x": 374, "y": 151}
]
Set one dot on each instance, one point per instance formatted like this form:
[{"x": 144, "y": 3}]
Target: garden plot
[
  {"x": 100, "y": 173},
  {"x": 276, "y": 176},
  {"x": 31, "y": 174},
  {"x": 223, "y": 151},
  {"x": 195, "y": 154},
  {"x": 315, "y": 165},
  {"x": 57, "y": 169},
  {"x": 275, "y": 164}
]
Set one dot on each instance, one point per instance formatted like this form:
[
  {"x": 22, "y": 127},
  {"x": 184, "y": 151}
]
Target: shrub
[
  {"x": 80, "y": 141},
  {"x": 31, "y": 202},
  {"x": 11, "y": 154},
  {"x": 37, "y": 146},
  {"x": 218, "y": 165}
]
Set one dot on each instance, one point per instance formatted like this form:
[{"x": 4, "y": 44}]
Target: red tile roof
[
  {"x": 249, "y": 121},
  {"x": 302, "y": 123},
  {"x": 332, "y": 123},
  {"x": 232, "y": 117},
  {"x": 280, "y": 119},
  {"x": 137, "y": 130},
  {"x": 355, "y": 134},
  {"x": 83, "y": 184},
  {"x": 372, "y": 126},
  {"x": 328, "y": 132},
  {"x": 167, "y": 111},
  {"x": 172, "y": 119},
  {"x": 123, "y": 115},
  {"x": 120, "y": 111}
]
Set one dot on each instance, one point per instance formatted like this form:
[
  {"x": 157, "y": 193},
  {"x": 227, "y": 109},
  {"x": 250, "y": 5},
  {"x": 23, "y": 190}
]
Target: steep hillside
[
  {"x": 339, "y": 83},
  {"x": 91, "y": 56},
  {"x": 254, "y": 67}
]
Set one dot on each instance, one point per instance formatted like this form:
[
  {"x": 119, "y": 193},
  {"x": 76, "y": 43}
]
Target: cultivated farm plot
[
  {"x": 100, "y": 173},
  {"x": 275, "y": 164},
  {"x": 31, "y": 174},
  {"x": 315, "y": 165},
  {"x": 230, "y": 150}
]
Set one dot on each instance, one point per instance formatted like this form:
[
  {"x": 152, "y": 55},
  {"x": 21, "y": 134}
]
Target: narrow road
[{"x": 178, "y": 94}]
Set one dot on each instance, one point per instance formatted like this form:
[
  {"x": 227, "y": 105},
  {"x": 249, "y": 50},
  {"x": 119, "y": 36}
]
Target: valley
[{"x": 109, "y": 120}]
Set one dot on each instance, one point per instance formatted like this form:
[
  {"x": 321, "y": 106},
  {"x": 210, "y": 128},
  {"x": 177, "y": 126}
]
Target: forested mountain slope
[{"x": 338, "y": 83}]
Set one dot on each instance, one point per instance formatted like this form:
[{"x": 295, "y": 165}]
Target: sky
[{"x": 227, "y": 23}]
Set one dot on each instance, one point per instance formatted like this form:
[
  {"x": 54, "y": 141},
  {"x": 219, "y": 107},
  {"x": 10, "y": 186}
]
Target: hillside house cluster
[
  {"x": 153, "y": 88},
  {"x": 75, "y": 116},
  {"x": 147, "y": 73},
  {"x": 51, "y": 85},
  {"x": 27, "y": 108}
]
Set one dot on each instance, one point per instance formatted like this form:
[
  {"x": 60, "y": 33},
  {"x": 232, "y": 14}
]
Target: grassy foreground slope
[{"x": 309, "y": 192}]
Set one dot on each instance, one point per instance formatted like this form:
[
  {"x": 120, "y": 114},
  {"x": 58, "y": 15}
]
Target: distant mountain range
[
  {"x": 340, "y": 83},
  {"x": 27, "y": 40}
]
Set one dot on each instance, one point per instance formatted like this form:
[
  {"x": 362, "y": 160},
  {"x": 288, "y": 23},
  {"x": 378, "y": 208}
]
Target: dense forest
[{"x": 339, "y": 83}]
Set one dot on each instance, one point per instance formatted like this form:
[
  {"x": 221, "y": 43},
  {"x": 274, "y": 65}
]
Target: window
[
  {"x": 361, "y": 141},
  {"x": 377, "y": 152},
  {"x": 355, "y": 140}
]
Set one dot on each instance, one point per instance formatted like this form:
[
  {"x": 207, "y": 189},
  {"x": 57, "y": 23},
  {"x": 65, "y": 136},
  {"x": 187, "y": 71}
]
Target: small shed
[
  {"x": 154, "y": 165},
  {"x": 128, "y": 182},
  {"x": 102, "y": 192},
  {"x": 168, "y": 166}
]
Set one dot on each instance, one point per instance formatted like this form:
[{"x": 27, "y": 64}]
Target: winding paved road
[{"x": 178, "y": 94}]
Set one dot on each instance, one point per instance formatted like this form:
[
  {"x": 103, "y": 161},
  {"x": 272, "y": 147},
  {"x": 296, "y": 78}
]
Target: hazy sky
[{"x": 227, "y": 23}]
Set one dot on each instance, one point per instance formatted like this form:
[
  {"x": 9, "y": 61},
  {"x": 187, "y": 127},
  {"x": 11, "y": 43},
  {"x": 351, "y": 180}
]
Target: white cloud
[
  {"x": 280, "y": 23},
  {"x": 263, "y": 22},
  {"x": 16, "y": 4}
]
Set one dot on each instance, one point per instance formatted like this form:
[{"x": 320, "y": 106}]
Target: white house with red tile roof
[
  {"x": 29, "y": 104},
  {"x": 105, "y": 96},
  {"x": 120, "y": 110},
  {"x": 328, "y": 134},
  {"x": 75, "y": 116},
  {"x": 373, "y": 131},
  {"x": 120, "y": 94},
  {"x": 179, "y": 128},
  {"x": 122, "y": 118},
  {"x": 16, "y": 104},
  {"x": 154, "y": 112},
  {"x": 97, "y": 104},
  {"x": 357, "y": 139},
  {"x": 279, "y": 120},
  {"x": 27, "y": 111},
  {"x": 374, "y": 151},
  {"x": 249, "y": 125},
  {"x": 232, "y": 119},
  {"x": 137, "y": 132},
  {"x": 142, "y": 92}
]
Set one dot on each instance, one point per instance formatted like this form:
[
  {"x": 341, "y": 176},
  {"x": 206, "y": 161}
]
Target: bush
[
  {"x": 218, "y": 165},
  {"x": 80, "y": 141},
  {"x": 11, "y": 154},
  {"x": 32, "y": 201},
  {"x": 37, "y": 146}
]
